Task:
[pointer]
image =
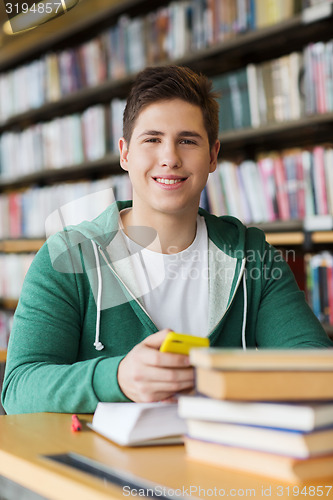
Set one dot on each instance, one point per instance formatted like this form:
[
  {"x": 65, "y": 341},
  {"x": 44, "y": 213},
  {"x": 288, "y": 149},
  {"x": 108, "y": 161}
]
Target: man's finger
[{"x": 155, "y": 339}]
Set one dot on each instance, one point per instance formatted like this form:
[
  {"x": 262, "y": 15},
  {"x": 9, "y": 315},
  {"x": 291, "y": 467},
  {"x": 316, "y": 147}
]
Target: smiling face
[{"x": 168, "y": 159}]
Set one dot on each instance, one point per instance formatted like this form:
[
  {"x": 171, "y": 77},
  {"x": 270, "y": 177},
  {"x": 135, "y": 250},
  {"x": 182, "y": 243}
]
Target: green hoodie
[{"x": 80, "y": 313}]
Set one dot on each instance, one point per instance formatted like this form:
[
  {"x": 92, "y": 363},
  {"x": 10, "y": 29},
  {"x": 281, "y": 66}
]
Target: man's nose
[{"x": 170, "y": 156}]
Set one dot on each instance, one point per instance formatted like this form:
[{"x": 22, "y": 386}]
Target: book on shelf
[
  {"x": 319, "y": 285},
  {"x": 310, "y": 201},
  {"x": 6, "y": 320},
  {"x": 329, "y": 170},
  {"x": 272, "y": 11},
  {"x": 203, "y": 203},
  {"x": 268, "y": 114},
  {"x": 221, "y": 86},
  {"x": 302, "y": 415},
  {"x": 289, "y": 442},
  {"x": 281, "y": 192},
  {"x": 319, "y": 76},
  {"x": 230, "y": 184},
  {"x": 251, "y": 179},
  {"x": 301, "y": 185},
  {"x": 234, "y": 103},
  {"x": 323, "y": 291},
  {"x": 262, "y": 463},
  {"x": 139, "y": 424},
  {"x": 215, "y": 195},
  {"x": 292, "y": 184},
  {"x": 319, "y": 180},
  {"x": 266, "y": 172}
]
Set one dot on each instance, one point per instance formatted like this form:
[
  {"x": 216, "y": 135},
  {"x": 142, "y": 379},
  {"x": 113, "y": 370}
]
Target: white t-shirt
[{"x": 175, "y": 286}]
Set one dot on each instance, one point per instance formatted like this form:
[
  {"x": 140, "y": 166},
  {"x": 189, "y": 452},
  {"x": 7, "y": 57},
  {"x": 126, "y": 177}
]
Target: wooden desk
[{"x": 24, "y": 439}]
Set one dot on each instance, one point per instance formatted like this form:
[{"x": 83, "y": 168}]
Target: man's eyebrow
[
  {"x": 151, "y": 132},
  {"x": 183, "y": 133},
  {"x": 189, "y": 133}
]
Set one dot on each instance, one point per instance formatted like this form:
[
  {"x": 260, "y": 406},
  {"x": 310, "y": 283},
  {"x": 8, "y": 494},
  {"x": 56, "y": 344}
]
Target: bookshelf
[
  {"x": 20, "y": 245},
  {"x": 254, "y": 46},
  {"x": 233, "y": 53},
  {"x": 243, "y": 142},
  {"x": 108, "y": 165},
  {"x": 8, "y": 304}
]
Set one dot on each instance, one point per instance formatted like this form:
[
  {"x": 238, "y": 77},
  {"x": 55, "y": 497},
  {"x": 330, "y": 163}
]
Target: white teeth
[{"x": 168, "y": 181}]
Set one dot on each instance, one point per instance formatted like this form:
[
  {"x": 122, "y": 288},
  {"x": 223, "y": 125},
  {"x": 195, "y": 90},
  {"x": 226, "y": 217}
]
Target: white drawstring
[
  {"x": 244, "y": 312},
  {"x": 98, "y": 344}
]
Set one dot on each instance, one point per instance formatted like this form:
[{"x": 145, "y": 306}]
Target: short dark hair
[{"x": 172, "y": 82}]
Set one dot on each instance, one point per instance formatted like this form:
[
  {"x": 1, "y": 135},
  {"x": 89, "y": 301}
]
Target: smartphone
[{"x": 180, "y": 343}]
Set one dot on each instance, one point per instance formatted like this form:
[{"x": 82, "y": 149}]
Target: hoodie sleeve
[
  {"x": 42, "y": 369},
  {"x": 284, "y": 317}
]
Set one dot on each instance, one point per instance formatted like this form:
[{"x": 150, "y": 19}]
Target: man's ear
[
  {"x": 123, "y": 150},
  {"x": 213, "y": 156}
]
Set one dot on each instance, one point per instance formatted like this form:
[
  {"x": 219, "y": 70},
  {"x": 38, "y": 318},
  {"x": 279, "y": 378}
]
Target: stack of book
[{"x": 267, "y": 412}]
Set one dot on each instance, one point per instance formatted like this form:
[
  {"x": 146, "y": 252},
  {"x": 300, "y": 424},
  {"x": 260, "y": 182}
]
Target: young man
[{"x": 100, "y": 297}]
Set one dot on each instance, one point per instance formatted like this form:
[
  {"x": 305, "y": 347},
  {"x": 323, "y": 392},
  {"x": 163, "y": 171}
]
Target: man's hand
[{"x": 147, "y": 375}]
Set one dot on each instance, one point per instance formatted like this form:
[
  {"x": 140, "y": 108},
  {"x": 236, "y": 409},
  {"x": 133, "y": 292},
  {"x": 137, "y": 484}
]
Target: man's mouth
[{"x": 163, "y": 180}]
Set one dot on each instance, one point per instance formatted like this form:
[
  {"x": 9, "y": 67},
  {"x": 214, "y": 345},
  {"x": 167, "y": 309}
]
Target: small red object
[{"x": 76, "y": 424}]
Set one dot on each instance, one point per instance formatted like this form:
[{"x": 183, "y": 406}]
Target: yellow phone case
[{"x": 181, "y": 343}]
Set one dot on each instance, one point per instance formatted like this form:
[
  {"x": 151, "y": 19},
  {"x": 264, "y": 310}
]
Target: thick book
[
  {"x": 293, "y": 443},
  {"x": 299, "y": 416},
  {"x": 281, "y": 193},
  {"x": 138, "y": 424},
  {"x": 257, "y": 462},
  {"x": 279, "y": 385},
  {"x": 265, "y": 359}
]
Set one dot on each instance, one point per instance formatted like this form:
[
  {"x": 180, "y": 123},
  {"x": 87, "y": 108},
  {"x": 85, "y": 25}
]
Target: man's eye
[
  {"x": 153, "y": 139},
  {"x": 187, "y": 141}
]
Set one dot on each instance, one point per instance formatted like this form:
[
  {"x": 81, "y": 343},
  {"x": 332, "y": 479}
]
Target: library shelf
[
  {"x": 252, "y": 46},
  {"x": 259, "y": 45},
  {"x": 285, "y": 239},
  {"x": 108, "y": 165},
  {"x": 296, "y": 238},
  {"x": 276, "y": 238},
  {"x": 293, "y": 233},
  {"x": 320, "y": 237},
  {"x": 299, "y": 238},
  {"x": 82, "y": 23},
  {"x": 21, "y": 245},
  {"x": 71, "y": 103},
  {"x": 329, "y": 330},
  {"x": 294, "y": 133},
  {"x": 8, "y": 304},
  {"x": 255, "y": 45},
  {"x": 238, "y": 143}
]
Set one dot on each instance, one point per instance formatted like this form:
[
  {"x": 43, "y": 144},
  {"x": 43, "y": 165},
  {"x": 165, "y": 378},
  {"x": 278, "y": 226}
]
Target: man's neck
[{"x": 174, "y": 233}]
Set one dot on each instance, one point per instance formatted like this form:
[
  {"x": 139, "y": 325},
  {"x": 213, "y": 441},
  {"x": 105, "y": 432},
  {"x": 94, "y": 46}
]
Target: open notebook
[{"x": 139, "y": 424}]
